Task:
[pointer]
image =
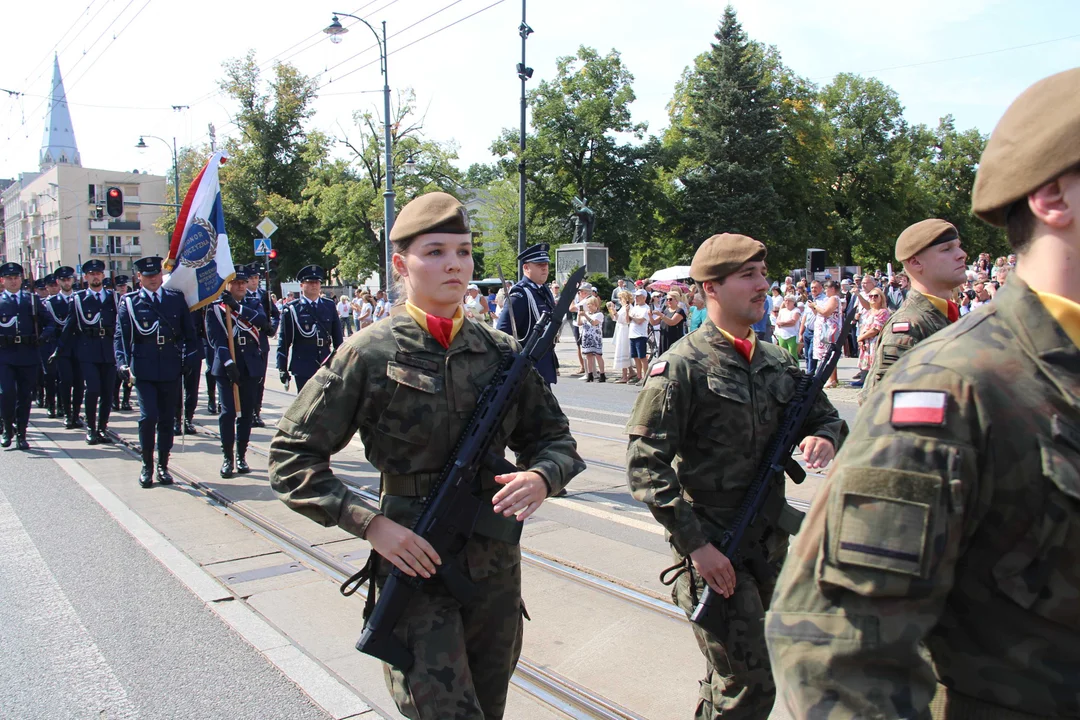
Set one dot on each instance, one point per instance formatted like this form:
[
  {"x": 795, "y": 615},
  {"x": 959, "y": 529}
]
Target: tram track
[{"x": 542, "y": 684}]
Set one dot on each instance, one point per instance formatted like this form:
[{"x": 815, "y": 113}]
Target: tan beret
[
  {"x": 721, "y": 255},
  {"x": 433, "y": 212},
  {"x": 922, "y": 235},
  {"x": 1036, "y": 140}
]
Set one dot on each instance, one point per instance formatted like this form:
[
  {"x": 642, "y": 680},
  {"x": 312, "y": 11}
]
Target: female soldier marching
[{"x": 410, "y": 386}]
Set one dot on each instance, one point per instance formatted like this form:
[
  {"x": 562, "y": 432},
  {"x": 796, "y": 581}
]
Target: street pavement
[{"x": 93, "y": 626}]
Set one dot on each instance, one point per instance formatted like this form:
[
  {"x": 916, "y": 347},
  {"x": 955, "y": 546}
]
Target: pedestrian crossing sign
[{"x": 262, "y": 247}]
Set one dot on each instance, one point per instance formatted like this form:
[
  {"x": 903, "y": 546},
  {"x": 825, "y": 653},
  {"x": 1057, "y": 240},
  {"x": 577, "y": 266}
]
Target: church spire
[{"x": 58, "y": 145}]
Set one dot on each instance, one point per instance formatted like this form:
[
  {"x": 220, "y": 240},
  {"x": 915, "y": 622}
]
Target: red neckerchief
[
  {"x": 744, "y": 347},
  {"x": 440, "y": 329},
  {"x": 953, "y": 311}
]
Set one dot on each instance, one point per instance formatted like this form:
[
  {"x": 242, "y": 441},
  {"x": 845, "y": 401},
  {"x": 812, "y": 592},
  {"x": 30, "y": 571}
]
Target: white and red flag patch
[
  {"x": 918, "y": 407},
  {"x": 898, "y": 327}
]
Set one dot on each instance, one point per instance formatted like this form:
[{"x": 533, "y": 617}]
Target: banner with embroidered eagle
[{"x": 200, "y": 261}]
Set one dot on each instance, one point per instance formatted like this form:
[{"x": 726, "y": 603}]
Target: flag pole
[{"x": 232, "y": 354}]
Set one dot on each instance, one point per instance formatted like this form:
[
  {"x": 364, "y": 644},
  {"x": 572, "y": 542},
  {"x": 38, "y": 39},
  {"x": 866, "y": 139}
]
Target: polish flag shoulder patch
[
  {"x": 901, "y": 327},
  {"x": 918, "y": 407},
  {"x": 658, "y": 368}
]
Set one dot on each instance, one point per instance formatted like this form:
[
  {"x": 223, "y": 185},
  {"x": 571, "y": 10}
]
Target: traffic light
[
  {"x": 271, "y": 265},
  {"x": 114, "y": 202}
]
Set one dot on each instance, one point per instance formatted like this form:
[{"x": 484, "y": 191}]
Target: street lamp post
[
  {"x": 524, "y": 73},
  {"x": 334, "y": 30},
  {"x": 141, "y": 145}
]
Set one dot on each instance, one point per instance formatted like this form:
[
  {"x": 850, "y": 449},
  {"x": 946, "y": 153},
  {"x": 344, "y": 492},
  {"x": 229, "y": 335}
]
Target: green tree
[{"x": 190, "y": 161}]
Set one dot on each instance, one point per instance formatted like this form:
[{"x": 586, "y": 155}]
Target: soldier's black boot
[
  {"x": 20, "y": 440},
  {"x": 176, "y": 429},
  {"x": 211, "y": 407},
  {"x": 257, "y": 421},
  {"x": 91, "y": 433},
  {"x": 227, "y": 467},
  {"x": 242, "y": 468},
  {"x": 163, "y": 475},
  {"x": 126, "y": 404},
  {"x": 52, "y": 410},
  {"x": 146, "y": 477},
  {"x": 6, "y": 436},
  {"x": 189, "y": 427},
  {"x": 103, "y": 436}
]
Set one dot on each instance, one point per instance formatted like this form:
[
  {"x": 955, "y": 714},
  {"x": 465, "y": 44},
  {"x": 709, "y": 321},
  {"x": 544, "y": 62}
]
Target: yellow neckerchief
[
  {"x": 940, "y": 303},
  {"x": 1065, "y": 311},
  {"x": 420, "y": 316},
  {"x": 751, "y": 336}
]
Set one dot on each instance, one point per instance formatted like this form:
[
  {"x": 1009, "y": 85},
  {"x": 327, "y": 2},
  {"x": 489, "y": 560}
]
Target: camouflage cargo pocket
[
  {"x": 880, "y": 530},
  {"x": 1042, "y": 572}
]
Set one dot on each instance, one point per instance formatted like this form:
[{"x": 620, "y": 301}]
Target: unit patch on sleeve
[
  {"x": 901, "y": 327},
  {"x": 916, "y": 407},
  {"x": 658, "y": 368}
]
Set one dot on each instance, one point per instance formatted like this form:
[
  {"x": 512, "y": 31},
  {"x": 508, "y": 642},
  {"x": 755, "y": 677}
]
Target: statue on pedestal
[{"x": 584, "y": 220}]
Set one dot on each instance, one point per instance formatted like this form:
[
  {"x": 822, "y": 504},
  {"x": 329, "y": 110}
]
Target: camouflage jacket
[
  {"x": 952, "y": 520},
  {"x": 410, "y": 400},
  {"x": 915, "y": 320},
  {"x": 701, "y": 424}
]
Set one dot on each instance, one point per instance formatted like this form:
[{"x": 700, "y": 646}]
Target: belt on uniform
[
  {"x": 316, "y": 341},
  {"x": 150, "y": 340},
  {"x": 788, "y": 519},
  {"x": 411, "y": 485},
  {"x": 488, "y": 523},
  {"x": 98, "y": 331},
  {"x": 12, "y": 340}
]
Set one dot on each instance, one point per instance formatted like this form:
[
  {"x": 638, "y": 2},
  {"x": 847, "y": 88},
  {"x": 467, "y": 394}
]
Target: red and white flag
[{"x": 916, "y": 407}]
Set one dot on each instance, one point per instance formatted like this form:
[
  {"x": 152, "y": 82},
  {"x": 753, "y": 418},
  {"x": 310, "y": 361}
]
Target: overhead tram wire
[
  {"x": 27, "y": 81},
  {"x": 104, "y": 50},
  {"x": 324, "y": 37},
  {"x": 414, "y": 42}
]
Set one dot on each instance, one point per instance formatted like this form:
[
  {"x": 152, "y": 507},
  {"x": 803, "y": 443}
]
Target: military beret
[
  {"x": 148, "y": 265},
  {"x": 433, "y": 212},
  {"x": 64, "y": 272},
  {"x": 721, "y": 255},
  {"x": 536, "y": 254},
  {"x": 1036, "y": 140},
  {"x": 93, "y": 266},
  {"x": 922, "y": 235},
  {"x": 310, "y": 272}
]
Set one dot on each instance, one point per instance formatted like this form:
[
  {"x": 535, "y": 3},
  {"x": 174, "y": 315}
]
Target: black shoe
[
  {"x": 103, "y": 437},
  {"x": 5, "y": 438},
  {"x": 189, "y": 428},
  {"x": 79, "y": 422},
  {"x": 176, "y": 429},
  {"x": 52, "y": 412},
  {"x": 146, "y": 477},
  {"x": 212, "y": 408},
  {"x": 92, "y": 437},
  {"x": 257, "y": 421},
  {"x": 126, "y": 406},
  {"x": 163, "y": 475},
  {"x": 589, "y": 378},
  {"x": 242, "y": 468},
  {"x": 603, "y": 378},
  {"x": 69, "y": 423},
  {"x": 227, "y": 468},
  {"x": 20, "y": 442}
]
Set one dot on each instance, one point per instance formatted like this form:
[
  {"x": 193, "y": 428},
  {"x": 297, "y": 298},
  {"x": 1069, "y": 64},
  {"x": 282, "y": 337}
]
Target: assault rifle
[
  {"x": 764, "y": 506},
  {"x": 452, "y": 507}
]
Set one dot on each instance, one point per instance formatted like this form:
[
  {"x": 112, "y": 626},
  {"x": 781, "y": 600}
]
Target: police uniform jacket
[
  {"x": 411, "y": 399},
  {"x": 154, "y": 339},
  {"x": 701, "y": 426},
  {"x": 19, "y": 339},
  {"x": 89, "y": 331},
  {"x": 59, "y": 310},
  {"x": 915, "y": 320},
  {"x": 311, "y": 329},
  {"x": 530, "y": 301},
  {"x": 270, "y": 310},
  {"x": 246, "y": 339},
  {"x": 951, "y": 520}
]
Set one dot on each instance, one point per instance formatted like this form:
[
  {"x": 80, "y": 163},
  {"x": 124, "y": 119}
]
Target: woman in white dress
[{"x": 621, "y": 317}]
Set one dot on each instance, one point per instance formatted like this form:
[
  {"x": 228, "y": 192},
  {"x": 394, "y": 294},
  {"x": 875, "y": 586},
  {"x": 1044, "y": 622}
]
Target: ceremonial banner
[{"x": 200, "y": 262}]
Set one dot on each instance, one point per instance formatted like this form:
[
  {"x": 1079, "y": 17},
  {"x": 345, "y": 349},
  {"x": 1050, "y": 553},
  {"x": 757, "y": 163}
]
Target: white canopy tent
[{"x": 678, "y": 272}]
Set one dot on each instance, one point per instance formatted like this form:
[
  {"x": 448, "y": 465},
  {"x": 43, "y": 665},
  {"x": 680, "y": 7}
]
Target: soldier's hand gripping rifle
[
  {"x": 452, "y": 507},
  {"x": 764, "y": 506}
]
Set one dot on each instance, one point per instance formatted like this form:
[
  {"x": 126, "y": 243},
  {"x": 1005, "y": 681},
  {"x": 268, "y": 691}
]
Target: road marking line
[
  {"x": 323, "y": 688},
  {"x": 582, "y": 503},
  {"x": 596, "y": 412},
  {"x": 66, "y": 645}
]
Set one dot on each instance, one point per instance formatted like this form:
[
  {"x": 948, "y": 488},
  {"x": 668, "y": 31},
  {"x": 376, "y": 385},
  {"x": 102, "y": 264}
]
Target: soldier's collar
[{"x": 1029, "y": 318}]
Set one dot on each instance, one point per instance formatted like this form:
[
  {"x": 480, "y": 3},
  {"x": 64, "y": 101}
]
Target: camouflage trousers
[
  {"x": 738, "y": 677},
  {"x": 464, "y": 655}
]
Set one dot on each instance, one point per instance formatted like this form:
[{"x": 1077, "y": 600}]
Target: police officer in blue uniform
[
  {"x": 121, "y": 389},
  {"x": 310, "y": 325},
  {"x": 89, "y": 334},
  {"x": 237, "y": 365},
  {"x": 24, "y": 324},
  {"x": 69, "y": 382},
  {"x": 46, "y": 386},
  {"x": 208, "y": 354},
  {"x": 154, "y": 332},
  {"x": 260, "y": 296},
  {"x": 52, "y": 289},
  {"x": 528, "y": 300},
  {"x": 188, "y": 397}
]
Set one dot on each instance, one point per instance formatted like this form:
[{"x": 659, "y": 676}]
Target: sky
[{"x": 126, "y": 62}]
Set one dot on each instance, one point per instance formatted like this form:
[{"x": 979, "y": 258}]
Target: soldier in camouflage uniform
[
  {"x": 410, "y": 386},
  {"x": 934, "y": 262},
  {"x": 950, "y": 524},
  {"x": 698, "y": 431}
]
